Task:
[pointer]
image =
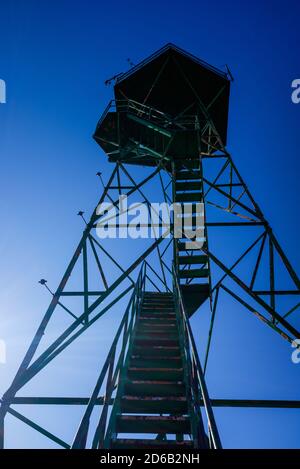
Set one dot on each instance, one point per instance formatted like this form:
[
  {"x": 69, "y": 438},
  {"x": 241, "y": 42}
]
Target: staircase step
[
  {"x": 156, "y": 322},
  {"x": 146, "y": 341},
  {"x": 157, "y": 312},
  {"x": 158, "y": 304},
  {"x": 154, "y": 388},
  {"x": 182, "y": 247},
  {"x": 124, "y": 443},
  {"x": 186, "y": 175},
  {"x": 158, "y": 338},
  {"x": 154, "y": 361},
  {"x": 154, "y": 326},
  {"x": 158, "y": 307},
  {"x": 160, "y": 295},
  {"x": 157, "y": 350},
  {"x": 185, "y": 163},
  {"x": 152, "y": 399},
  {"x": 171, "y": 332},
  {"x": 202, "y": 259},
  {"x": 188, "y": 186},
  {"x": 158, "y": 319},
  {"x": 188, "y": 197},
  {"x": 158, "y": 316},
  {"x": 152, "y": 424},
  {"x": 161, "y": 299},
  {"x": 155, "y": 374},
  {"x": 192, "y": 221},
  {"x": 148, "y": 329},
  {"x": 156, "y": 405},
  {"x": 193, "y": 273}
]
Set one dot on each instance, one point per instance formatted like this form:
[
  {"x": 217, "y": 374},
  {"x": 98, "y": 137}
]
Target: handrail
[
  {"x": 111, "y": 369},
  {"x": 184, "y": 122},
  {"x": 197, "y": 382}
]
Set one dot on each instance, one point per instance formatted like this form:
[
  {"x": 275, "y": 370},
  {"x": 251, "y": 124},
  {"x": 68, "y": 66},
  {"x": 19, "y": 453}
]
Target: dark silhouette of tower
[{"x": 169, "y": 118}]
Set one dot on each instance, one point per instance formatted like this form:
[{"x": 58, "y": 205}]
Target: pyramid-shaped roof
[{"x": 175, "y": 82}]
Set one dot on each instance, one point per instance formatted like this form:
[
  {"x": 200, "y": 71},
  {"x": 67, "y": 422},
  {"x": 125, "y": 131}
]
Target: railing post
[
  {"x": 103, "y": 434},
  {"x": 197, "y": 381},
  {"x": 100, "y": 430}
]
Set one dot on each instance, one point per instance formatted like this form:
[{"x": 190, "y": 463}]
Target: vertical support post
[
  {"x": 174, "y": 214},
  {"x": 85, "y": 281},
  {"x": 2, "y": 431},
  {"x": 98, "y": 439},
  {"x": 230, "y": 188},
  {"x": 272, "y": 280},
  {"x": 211, "y": 328}
]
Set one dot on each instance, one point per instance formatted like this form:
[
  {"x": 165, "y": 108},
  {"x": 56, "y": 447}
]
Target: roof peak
[{"x": 164, "y": 49}]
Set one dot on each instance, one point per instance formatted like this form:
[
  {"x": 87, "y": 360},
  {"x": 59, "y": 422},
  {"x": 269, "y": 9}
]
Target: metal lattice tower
[{"x": 169, "y": 119}]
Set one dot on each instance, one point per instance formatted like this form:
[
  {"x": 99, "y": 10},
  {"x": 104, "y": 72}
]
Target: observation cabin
[{"x": 169, "y": 110}]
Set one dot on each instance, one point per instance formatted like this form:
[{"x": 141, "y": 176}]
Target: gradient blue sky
[{"x": 54, "y": 57}]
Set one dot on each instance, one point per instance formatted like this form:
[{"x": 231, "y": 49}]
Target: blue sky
[{"x": 55, "y": 57}]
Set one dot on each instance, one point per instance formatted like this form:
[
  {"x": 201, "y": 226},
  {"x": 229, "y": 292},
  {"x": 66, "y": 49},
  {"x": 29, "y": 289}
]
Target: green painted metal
[
  {"x": 150, "y": 125},
  {"x": 196, "y": 259},
  {"x": 259, "y": 403},
  {"x": 193, "y": 273},
  {"x": 188, "y": 197},
  {"x": 153, "y": 365},
  {"x": 188, "y": 186},
  {"x": 188, "y": 175},
  {"x": 152, "y": 381}
]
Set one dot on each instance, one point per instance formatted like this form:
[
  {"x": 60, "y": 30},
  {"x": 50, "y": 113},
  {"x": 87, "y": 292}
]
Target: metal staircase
[
  {"x": 147, "y": 137},
  {"x": 152, "y": 396},
  {"x": 190, "y": 261},
  {"x": 169, "y": 113},
  {"x": 157, "y": 386}
]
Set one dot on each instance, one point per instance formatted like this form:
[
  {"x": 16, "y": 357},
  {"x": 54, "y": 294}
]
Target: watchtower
[{"x": 169, "y": 117}]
